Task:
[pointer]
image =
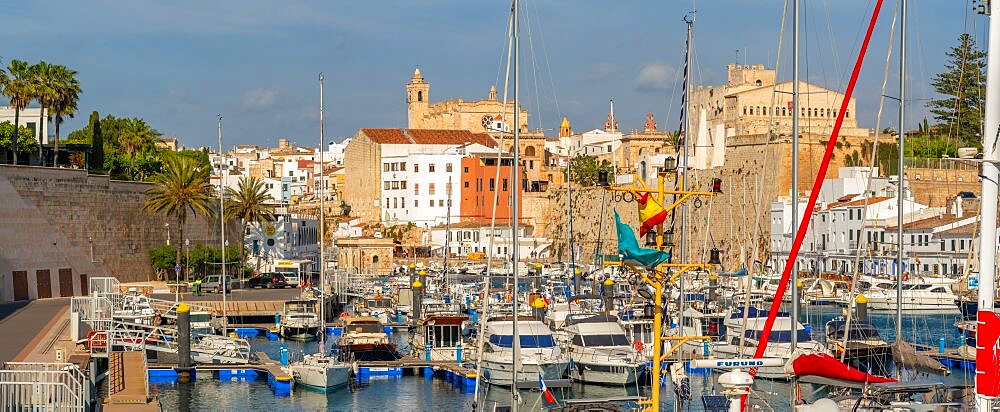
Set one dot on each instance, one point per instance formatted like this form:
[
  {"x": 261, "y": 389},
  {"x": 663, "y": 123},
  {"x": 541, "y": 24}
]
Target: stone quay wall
[{"x": 100, "y": 219}]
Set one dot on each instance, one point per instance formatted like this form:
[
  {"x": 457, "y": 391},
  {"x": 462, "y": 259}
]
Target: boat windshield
[
  {"x": 527, "y": 341},
  {"x": 780, "y": 336},
  {"x": 367, "y": 328},
  {"x": 605, "y": 340}
]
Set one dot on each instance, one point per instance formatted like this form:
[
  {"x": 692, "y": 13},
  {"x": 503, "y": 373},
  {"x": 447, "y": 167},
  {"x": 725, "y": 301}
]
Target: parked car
[
  {"x": 268, "y": 280},
  {"x": 212, "y": 283}
]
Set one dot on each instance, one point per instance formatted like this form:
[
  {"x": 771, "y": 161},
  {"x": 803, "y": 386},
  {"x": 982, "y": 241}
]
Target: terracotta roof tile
[
  {"x": 386, "y": 136},
  {"x": 437, "y": 136},
  {"x": 859, "y": 202},
  {"x": 929, "y": 223}
]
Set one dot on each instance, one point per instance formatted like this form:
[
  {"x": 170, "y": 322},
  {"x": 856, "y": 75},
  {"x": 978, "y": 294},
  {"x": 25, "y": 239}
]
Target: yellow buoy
[
  {"x": 183, "y": 307},
  {"x": 609, "y": 282},
  {"x": 712, "y": 277},
  {"x": 798, "y": 284},
  {"x": 417, "y": 284},
  {"x": 538, "y": 303}
]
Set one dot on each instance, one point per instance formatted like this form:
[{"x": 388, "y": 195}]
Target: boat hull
[
  {"x": 302, "y": 333},
  {"x": 604, "y": 374},
  {"x": 319, "y": 378},
  {"x": 501, "y": 373}
]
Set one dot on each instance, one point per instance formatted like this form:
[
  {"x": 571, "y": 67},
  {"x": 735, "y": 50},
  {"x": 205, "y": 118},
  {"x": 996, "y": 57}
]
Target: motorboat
[
  {"x": 378, "y": 306},
  {"x": 539, "y": 356},
  {"x": 864, "y": 348},
  {"x": 363, "y": 338},
  {"x": 210, "y": 349},
  {"x": 321, "y": 372},
  {"x": 300, "y": 320},
  {"x": 439, "y": 333},
  {"x": 919, "y": 294},
  {"x": 742, "y": 339},
  {"x": 600, "y": 352}
]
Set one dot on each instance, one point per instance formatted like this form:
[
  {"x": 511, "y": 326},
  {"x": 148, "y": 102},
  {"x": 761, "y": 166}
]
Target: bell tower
[{"x": 417, "y": 95}]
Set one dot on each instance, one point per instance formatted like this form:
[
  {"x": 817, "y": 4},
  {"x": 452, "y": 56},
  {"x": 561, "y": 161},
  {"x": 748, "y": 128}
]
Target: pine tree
[{"x": 962, "y": 84}]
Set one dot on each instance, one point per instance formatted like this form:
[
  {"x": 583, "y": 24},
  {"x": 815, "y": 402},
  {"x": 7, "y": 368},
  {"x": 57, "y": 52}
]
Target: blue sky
[{"x": 177, "y": 64}]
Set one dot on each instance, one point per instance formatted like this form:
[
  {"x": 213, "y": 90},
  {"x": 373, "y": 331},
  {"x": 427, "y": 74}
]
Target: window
[
  {"x": 447, "y": 188},
  {"x": 402, "y": 166},
  {"x": 493, "y": 185},
  {"x": 430, "y": 189},
  {"x": 430, "y": 168},
  {"x": 420, "y": 95},
  {"x": 394, "y": 166},
  {"x": 416, "y": 168},
  {"x": 440, "y": 202},
  {"x": 416, "y": 203},
  {"x": 416, "y": 188},
  {"x": 402, "y": 184},
  {"x": 505, "y": 185},
  {"x": 466, "y": 184},
  {"x": 395, "y": 185},
  {"x": 385, "y": 185},
  {"x": 847, "y": 113},
  {"x": 394, "y": 204},
  {"x": 385, "y": 167},
  {"x": 447, "y": 167},
  {"x": 953, "y": 245},
  {"x": 465, "y": 170},
  {"x": 744, "y": 110}
]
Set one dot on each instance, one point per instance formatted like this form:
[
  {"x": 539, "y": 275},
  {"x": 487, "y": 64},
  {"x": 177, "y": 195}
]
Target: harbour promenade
[{"x": 30, "y": 326}]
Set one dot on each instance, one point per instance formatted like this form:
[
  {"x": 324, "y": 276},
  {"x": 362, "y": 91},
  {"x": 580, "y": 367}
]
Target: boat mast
[
  {"x": 795, "y": 170},
  {"x": 322, "y": 227},
  {"x": 222, "y": 229},
  {"x": 689, "y": 20},
  {"x": 515, "y": 198},
  {"x": 902, "y": 188},
  {"x": 988, "y": 211}
]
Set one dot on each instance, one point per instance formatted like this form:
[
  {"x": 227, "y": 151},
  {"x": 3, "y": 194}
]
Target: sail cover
[
  {"x": 905, "y": 355},
  {"x": 826, "y": 366}
]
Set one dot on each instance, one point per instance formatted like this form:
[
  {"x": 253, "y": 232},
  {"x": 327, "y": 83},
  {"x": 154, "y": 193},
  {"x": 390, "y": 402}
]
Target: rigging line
[
  {"x": 500, "y": 65},
  {"x": 534, "y": 67},
  {"x": 871, "y": 174},
  {"x": 548, "y": 67},
  {"x": 834, "y": 52},
  {"x": 814, "y": 194}
]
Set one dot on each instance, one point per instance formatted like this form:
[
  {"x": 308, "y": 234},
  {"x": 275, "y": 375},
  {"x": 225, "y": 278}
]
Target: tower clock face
[{"x": 487, "y": 121}]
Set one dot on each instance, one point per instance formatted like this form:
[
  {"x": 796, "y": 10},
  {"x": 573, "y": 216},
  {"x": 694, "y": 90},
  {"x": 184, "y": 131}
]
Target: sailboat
[{"x": 321, "y": 371}]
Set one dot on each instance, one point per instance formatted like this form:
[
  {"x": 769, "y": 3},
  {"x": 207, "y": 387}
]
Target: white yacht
[
  {"x": 600, "y": 352},
  {"x": 320, "y": 372},
  {"x": 540, "y": 356},
  {"x": 778, "y": 344},
  {"x": 300, "y": 320},
  {"x": 919, "y": 294}
]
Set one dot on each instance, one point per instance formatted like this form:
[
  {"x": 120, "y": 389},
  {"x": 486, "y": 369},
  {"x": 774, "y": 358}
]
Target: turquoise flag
[{"x": 629, "y": 248}]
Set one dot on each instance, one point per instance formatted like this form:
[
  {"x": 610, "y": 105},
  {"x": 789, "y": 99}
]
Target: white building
[
  {"x": 335, "y": 152},
  {"x": 28, "y": 117},
  {"x": 290, "y": 236},
  {"x": 464, "y": 239},
  {"x": 420, "y": 182}
]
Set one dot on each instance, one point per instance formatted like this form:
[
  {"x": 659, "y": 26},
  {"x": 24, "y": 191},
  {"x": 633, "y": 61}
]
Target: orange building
[{"x": 480, "y": 184}]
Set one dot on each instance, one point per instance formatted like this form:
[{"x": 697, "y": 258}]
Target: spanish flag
[{"x": 651, "y": 213}]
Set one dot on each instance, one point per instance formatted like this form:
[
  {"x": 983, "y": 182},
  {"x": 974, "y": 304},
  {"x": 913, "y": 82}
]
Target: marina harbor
[{"x": 653, "y": 206}]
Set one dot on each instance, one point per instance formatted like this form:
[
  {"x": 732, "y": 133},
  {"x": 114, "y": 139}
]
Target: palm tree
[
  {"x": 136, "y": 137},
  {"x": 251, "y": 203},
  {"x": 181, "y": 187},
  {"x": 16, "y": 85},
  {"x": 43, "y": 89},
  {"x": 64, "y": 104}
]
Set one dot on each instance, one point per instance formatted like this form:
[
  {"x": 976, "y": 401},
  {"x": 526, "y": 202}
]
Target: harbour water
[{"x": 417, "y": 393}]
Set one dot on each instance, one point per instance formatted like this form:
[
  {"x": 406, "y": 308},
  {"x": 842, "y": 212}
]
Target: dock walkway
[{"x": 128, "y": 382}]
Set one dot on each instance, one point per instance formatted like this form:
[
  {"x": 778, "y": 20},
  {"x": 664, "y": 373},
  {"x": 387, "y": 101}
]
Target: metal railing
[{"x": 31, "y": 386}]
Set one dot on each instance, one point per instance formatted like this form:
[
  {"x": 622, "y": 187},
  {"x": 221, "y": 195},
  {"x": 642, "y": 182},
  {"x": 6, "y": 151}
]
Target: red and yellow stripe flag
[{"x": 651, "y": 213}]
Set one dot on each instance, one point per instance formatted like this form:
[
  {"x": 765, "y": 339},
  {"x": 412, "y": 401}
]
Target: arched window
[
  {"x": 744, "y": 110},
  {"x": 847, "y": 113},
  {"x": 758, "y": 82},
  {"x": 765, "y": 110},
  {"x": 375, "y": 260},
  {"x": 420, "y": 95},
  {"x": 642, "y": 169},
  {"x": 828, "y": 111},
  {"x": 784, "y": 112},
  {"x": 529, "y": 151}
]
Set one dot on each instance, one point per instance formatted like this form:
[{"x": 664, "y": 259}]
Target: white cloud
[
  {"x": 655, "y": 77},
  {"x": 603, "y": 71},
  {"x": 259, "y": 99}
]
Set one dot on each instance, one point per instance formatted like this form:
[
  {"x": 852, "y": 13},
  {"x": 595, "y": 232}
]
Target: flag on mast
[
  {"x": 651, "y": 213},
  {"x": 545, "y": 390}
]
